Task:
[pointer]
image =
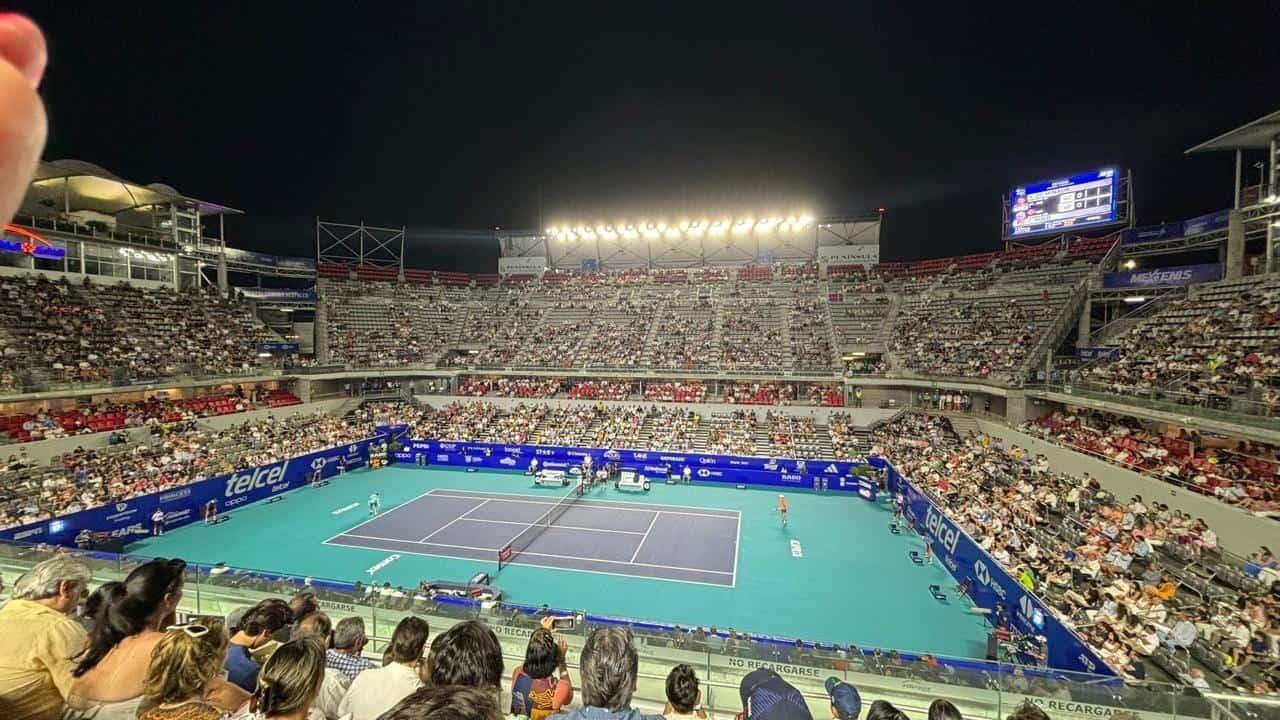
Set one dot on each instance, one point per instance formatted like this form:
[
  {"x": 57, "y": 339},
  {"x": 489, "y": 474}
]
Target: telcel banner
[
  {"x": 991, "y": 587},
  {"x": 746, "y": 470},
  {"x": 182, "y": 505}
]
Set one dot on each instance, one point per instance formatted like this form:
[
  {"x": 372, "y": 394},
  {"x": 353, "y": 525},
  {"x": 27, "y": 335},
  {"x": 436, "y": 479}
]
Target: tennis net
[{"x": 526, "y": 537}]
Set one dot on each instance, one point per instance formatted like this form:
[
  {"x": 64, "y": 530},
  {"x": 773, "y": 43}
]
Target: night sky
[{"x": 474, "y": 115}]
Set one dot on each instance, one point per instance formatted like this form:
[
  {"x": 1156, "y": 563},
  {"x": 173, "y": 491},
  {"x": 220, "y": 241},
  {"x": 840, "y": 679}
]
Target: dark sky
[{"x": 470, "y": 115}]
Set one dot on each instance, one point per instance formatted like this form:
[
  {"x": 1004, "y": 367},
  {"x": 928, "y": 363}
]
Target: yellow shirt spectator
[{"x": 36, "y": 647}]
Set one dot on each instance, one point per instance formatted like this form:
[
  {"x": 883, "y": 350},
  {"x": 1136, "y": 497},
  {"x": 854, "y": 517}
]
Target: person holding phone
[{"x": 541, "y": 686}]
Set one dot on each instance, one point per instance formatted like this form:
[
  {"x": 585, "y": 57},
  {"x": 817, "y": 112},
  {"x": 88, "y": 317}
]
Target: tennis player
[
  {"x": 782, "y": 509},
  {"x": 375, "y": 504}
]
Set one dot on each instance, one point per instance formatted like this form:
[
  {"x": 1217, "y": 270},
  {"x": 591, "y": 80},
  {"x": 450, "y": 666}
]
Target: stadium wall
[
  {"x": 737, "y": 469},
  {"x": 335, "y": 406},
  {"x": 1239, "y": 531},
  {"x": 44, "y": 451}
]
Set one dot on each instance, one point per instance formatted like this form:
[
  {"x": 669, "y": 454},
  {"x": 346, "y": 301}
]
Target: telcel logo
[
  {"x": 946, "y": 533},
  {"x": 240, "y": 483}
]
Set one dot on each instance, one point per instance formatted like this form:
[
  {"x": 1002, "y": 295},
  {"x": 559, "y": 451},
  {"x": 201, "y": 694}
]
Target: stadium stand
[
  {"x": 178, "y": 454},
  {"x": 1242, "y": 473},
  {"x": 108, "y": 415},
  {"x": 989, "y": 334},
  {"x": 1122, "y": 573},
  {"x": 90, "y": 333},
  {"x": 1218, "y": 347}
]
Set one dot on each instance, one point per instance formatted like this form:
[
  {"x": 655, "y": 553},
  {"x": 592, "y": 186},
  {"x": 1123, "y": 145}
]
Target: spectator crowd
[{"x": 1128, "y": 575}]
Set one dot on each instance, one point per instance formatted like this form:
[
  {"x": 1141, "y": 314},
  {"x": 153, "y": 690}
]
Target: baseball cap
[
  {"x": 844, "y": 698},
  {"x": 766, "y": 696}
]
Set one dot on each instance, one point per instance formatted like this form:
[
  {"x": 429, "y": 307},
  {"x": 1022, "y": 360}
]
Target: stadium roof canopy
[
  {"x": 78, "y": 185},
  {"x": 1256, "y": 135}
]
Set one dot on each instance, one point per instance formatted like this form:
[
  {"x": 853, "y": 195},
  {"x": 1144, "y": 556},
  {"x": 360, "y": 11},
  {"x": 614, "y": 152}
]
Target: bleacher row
[
  {"x": 85, "y": 332},
  {"x": 1217, "y": 346},
  {"x": 175, "y": 455},
  {"x": 758, "y": 327}
]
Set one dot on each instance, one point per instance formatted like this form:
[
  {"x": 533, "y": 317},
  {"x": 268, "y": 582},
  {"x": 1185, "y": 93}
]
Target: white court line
[
  {"x": 541, "y": 565},
  {"x": 381, "y": 515},
  {"x": 603, "y": 504},
  {"x": 463, "y": 515},
  {"x": 652, "y": 522},
  {"x": 596, "y": 505},
  {"x": 522, "y": 553},
  {"x": 737, "y": 543},
  {"x": 557, "y": 525}
]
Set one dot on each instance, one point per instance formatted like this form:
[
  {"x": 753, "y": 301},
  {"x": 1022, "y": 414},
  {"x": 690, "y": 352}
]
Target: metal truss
[{"x": 359, "y": 244}]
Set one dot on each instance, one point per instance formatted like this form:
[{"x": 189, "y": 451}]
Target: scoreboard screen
[{"x": 1079, "y": 201}]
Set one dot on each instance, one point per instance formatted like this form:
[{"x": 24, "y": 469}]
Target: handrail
[{"x": 1240, "y": 411}]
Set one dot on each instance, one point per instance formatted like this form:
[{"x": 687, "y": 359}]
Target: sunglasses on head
[{"x": 194, "y": 630}]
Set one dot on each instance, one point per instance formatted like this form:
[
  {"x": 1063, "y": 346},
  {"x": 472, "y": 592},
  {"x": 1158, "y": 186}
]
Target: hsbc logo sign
[
  {"x": 318, "y": 463},
  {"x": 981, "y": 573},
  {"x": 241, "y": 483},
  {"x": 121, "y": 507},
  {"x": 703, "y": 472},
  {"x": 948, "y": 535}
]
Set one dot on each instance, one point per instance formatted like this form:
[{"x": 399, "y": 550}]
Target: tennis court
[
  {"x": 659, "y": 542},
  {"x": 835, "y": 573}
]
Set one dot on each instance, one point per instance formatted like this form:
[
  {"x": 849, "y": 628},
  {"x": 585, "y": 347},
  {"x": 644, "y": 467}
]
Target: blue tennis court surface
[
  {"x": 662, "y": 542},
  {"x": 701, "y": 554}
]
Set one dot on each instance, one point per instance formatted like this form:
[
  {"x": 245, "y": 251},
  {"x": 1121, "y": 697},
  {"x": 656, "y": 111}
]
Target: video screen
[{"x": 1079, "y": 201}]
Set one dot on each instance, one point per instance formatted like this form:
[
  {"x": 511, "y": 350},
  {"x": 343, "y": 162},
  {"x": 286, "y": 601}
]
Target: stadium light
[
  {"x": 1135, "y": 299},
  {"x": 653, "y": 228},
  {"x": 1130, "y": 264}
]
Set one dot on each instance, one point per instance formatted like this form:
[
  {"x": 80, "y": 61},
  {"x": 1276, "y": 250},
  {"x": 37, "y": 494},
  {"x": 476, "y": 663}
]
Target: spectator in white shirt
[
  {"x": 375, "y": 691},
  {"x": 318, "y": 627}
]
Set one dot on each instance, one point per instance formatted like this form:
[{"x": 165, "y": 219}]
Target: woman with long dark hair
[
  {"x": 130, "y": 622},
  {"x": 541, "y": 686}
]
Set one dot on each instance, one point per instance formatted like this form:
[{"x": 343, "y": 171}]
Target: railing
[
  {"x": 128, "y": 234},
  {"x": 980, "y": 689},
  {"x": 1218, "y": 407},
  {"x": 39, "y": 385}
]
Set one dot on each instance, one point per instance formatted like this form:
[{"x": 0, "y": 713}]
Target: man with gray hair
[
  {"x": 610, "y": 667},
  {"x": 38, "y": 639},
  {"x": 348, "y": 642},
  {"x": 317, "y": 627}
]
